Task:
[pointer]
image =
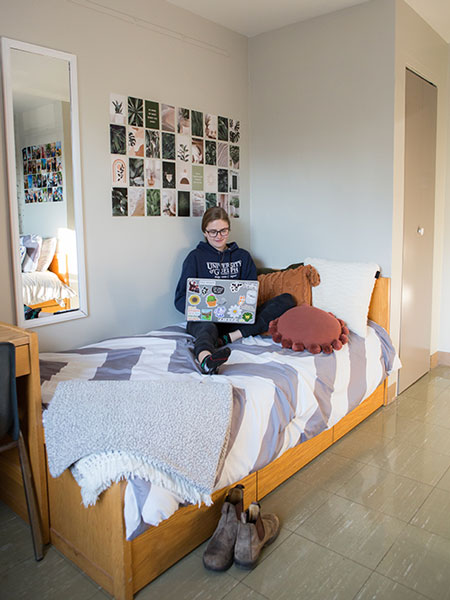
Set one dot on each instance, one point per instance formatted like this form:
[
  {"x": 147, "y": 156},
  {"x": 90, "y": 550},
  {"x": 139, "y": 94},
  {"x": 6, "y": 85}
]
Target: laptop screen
[{"x": 221, "y": 300}]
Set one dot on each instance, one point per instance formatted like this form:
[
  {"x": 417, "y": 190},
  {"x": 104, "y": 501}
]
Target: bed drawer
[{"x": 290, "y": 462}]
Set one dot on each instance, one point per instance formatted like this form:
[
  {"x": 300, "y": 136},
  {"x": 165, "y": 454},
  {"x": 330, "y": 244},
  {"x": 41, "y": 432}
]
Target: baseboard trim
[
  {"x": 440, "y": 358},
  {"x": 391, "y": 393},
  {"x": 434, "y": 360}
]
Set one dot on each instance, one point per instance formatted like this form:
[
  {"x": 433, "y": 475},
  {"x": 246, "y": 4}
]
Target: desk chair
[{"x": 10, "y": 428}]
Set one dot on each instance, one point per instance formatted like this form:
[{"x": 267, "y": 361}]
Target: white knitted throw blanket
[{"x": 171, "y": 432}]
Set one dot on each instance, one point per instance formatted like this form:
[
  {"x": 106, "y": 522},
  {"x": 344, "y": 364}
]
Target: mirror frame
[{"x": 7, "y": 45}]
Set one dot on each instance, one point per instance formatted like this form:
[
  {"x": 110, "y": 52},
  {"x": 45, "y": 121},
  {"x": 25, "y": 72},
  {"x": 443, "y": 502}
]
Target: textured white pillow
[
  {"x": 345, "y": 290},
  {"x": 33, "y": 244},
  {"x": 23, "y": 253},
  {"x": 47, "y": 253}
]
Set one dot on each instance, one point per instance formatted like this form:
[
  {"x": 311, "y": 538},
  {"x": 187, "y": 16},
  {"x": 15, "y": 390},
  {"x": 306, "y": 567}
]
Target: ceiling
[{"x": 252, "y": 17}]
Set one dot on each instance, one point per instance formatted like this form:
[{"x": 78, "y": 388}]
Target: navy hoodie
[{"x": 207, "y": 262}]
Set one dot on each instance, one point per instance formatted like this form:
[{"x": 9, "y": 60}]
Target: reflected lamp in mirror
[{"x": 44, "y": 177}]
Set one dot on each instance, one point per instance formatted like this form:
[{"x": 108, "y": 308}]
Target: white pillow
[
  {"x": 345, "y": 290},
  {"x": 23, "y": 253},
  {"x": 47, "y": 253},
  {"x": 33, "y": 244}
]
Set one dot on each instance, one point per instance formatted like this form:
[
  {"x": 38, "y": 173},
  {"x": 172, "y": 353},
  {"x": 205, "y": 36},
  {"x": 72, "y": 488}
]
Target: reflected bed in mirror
[{"x": 41, "y": 118}]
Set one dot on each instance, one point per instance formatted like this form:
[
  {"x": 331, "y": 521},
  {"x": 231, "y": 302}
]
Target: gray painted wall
[
  {"x": 321, "y": 107},
  {"x": 133, "y": 264},
  {"x": 325, "y": 151}
]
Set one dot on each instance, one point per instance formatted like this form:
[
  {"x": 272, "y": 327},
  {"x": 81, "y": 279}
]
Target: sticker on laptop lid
[
  {"x": 234, "y": 311},
  {"x": 252, "y": 296},
  {"x": 193, "y": 286},
  {"x": 193, "y": 312},
  {"x": 236, "y": 286},
  {"x": 219, "y": 312},
  {"x": 211, "y": 300}
]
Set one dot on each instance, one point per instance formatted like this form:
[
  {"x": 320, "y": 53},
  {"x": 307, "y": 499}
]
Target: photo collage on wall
[
  {"x": 171, "y": 161},
  {"x": 42, "y": 173}
]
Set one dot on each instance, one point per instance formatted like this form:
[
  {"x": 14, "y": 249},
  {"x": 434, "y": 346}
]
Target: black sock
[
  {"x": 223, "y": 340},
  {"x": 212, "y": 362},
  {"x": 226, "y": 339}
]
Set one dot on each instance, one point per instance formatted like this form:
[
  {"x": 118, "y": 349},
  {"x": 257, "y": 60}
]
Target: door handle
[{"x": 420, "y": 230}]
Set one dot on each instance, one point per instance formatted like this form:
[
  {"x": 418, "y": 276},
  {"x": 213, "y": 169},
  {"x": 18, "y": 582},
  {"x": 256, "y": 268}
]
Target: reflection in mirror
[{"x": 44, "y": 183}]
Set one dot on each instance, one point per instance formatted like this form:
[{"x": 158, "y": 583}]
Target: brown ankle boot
[
  {"x": 254, "y": 532},
  {"x": 219, "y": 552}
]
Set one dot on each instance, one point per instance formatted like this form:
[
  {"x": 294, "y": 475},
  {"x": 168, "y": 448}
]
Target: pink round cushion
[{"x": 308, "y": 328}]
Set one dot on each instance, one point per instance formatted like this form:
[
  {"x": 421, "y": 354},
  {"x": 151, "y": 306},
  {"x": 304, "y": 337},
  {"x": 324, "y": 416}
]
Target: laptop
[{"x": 221, "y": 300}]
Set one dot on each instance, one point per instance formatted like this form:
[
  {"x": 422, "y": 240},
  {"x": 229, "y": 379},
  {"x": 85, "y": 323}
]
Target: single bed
[
  {"x": 45, "y": 275},
  {"x": 95, "y": 537},
  {"x": 45, "y": 290}
]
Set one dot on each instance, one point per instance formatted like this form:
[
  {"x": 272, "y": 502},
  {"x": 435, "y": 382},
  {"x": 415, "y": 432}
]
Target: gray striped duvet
[{"x": 280, "y": 397}]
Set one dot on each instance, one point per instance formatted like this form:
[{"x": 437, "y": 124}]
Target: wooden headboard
[
  {"x": 380, "y": 301},
  {"x": 60, "y": 267}
]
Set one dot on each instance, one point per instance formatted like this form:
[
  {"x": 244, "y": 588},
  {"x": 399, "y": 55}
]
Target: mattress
[
  {"x": 280, "y": 398},
  {"x": 42, "y": 286}
]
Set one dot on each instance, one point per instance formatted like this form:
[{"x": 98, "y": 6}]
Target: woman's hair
[{"x": 213, "y": 214}]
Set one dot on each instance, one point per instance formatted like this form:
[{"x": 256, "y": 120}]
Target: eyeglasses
[{"x": 214, "y": 232}]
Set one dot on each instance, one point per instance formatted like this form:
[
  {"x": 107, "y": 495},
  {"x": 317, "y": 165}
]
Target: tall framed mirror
[{"x": 44, "y": 179}]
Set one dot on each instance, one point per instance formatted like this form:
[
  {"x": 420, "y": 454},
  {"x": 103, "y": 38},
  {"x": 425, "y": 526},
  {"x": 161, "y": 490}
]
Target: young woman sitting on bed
[{"x": 216, "y": 259}]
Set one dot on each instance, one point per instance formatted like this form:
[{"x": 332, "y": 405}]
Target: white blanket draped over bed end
[
  {"x": 43, "y": 286},
  {"x": 178, "y": 430}
]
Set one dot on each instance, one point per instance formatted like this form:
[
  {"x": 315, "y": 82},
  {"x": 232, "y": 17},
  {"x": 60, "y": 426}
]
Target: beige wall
[
  {"x": 132, "y": 263},
  {"x": 421, "y": 49},
  {"x": 321, "y": 155},
  {"x": 327, "y": 142},
  {"x": 326, "y": 107}
]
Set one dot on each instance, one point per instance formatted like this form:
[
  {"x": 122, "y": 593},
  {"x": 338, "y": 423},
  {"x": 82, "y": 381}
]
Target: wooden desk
[{"x": 30, "y": 410}]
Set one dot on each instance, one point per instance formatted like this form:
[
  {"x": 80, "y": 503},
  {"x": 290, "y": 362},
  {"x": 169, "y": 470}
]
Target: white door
[{"x": 420, "y": 169}]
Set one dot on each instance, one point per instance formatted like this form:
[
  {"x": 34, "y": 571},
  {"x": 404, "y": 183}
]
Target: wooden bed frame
[{"x": 94, "y": 538}]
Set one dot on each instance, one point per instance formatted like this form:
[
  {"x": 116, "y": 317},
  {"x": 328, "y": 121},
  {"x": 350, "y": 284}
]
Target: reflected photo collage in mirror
[{"x": 43, "y": 173}]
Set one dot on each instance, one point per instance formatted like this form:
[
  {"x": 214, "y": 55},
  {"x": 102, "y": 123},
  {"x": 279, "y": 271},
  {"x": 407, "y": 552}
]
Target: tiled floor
[{"x": 368, "y": 519}]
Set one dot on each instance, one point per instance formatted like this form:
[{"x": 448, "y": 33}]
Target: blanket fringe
[{"x": 96, "y": 472}]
